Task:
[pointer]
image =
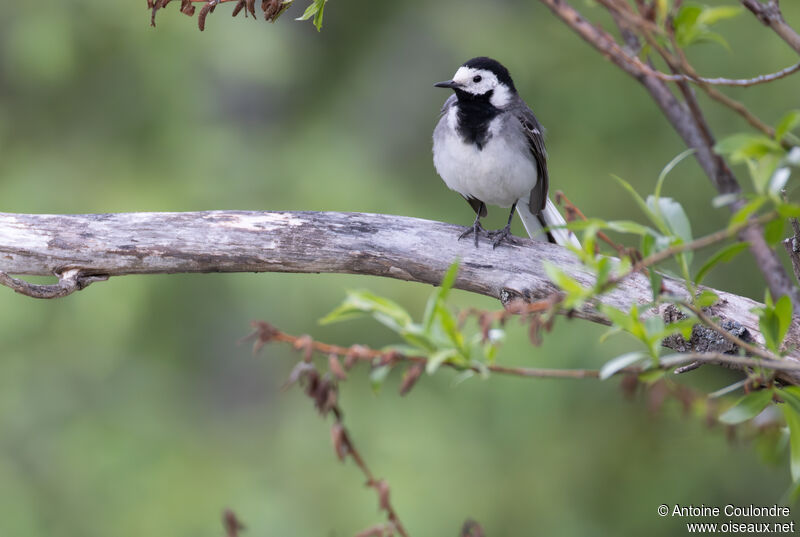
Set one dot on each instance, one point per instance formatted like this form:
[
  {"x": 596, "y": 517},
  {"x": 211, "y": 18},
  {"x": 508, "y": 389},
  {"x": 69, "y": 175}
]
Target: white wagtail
[{"x": 489, "y": 147}]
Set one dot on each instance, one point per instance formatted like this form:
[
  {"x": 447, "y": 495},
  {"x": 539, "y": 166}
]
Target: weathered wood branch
[{"x": 85, "y": 248}]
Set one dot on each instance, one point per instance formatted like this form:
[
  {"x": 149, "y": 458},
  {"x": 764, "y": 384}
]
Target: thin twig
[
  {"x": 679, "y": 63},
  {"x": 324, "y": 392},
  {"x": 735, "y": 82},
  {"x": 571, "y": 208},
  {"x": 730, "y": 359},
  {"x": 69, "y": 281},
  {"x": 634, "y": 20},
  {"x": 696, "y": 244},
  {"x": 264, "y": 332},
  {"x": 231, "y": 523}
]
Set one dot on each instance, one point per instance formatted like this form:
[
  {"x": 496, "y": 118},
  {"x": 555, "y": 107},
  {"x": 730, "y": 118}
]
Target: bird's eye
[{"x": 477, "y": 79}]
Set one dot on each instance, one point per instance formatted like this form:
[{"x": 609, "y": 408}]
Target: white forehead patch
[{"x": 465, "y": 76}]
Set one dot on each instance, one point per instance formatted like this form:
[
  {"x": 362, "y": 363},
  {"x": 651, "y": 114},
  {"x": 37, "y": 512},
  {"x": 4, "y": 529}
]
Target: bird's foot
[
  {"x": 502, "y": 235},
  {"x": 475, "y": 229}
]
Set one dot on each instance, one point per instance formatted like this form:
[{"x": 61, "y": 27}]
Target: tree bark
[{"x": 81, "y": 249}]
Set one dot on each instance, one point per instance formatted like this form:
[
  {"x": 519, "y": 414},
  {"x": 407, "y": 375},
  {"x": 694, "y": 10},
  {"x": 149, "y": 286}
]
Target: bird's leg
[
  {"x": 476, "y": 227},
  {"x": 504, "y": 234}
]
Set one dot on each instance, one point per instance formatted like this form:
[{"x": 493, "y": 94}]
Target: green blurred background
[{"x": 130, "y": 409}]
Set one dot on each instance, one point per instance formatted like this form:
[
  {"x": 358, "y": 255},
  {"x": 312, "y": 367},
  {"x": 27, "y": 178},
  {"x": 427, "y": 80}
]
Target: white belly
[{"x": 499, "y": 174}]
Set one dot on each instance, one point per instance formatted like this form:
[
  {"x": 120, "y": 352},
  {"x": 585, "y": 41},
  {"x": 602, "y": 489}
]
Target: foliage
[{"x": 436, "y": 337}]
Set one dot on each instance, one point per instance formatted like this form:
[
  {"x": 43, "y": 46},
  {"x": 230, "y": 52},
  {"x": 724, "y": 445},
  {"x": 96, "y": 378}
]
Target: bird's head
[{"x": 482, "y": 79}]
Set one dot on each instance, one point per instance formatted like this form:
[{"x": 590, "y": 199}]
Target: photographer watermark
[{"x": 749, "y": 519}]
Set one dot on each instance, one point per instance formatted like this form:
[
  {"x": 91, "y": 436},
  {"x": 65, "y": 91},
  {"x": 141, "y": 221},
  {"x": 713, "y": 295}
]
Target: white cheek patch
[{"x": 500, "y": 97}]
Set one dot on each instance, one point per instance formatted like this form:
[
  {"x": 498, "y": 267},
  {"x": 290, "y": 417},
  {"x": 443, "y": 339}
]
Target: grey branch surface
[{"x": 81, "y": 249}]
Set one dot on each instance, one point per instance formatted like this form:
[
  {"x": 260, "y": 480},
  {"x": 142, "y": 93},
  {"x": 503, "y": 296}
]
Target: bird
[{"x": 489, "y": 147}]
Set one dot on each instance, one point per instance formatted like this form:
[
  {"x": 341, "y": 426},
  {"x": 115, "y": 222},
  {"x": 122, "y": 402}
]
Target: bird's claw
[
  {"x": 475, "y": 229},
  {"x": 502, "y": 235}
]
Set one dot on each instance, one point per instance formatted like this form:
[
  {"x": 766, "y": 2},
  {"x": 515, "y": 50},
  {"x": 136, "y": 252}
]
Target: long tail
[{"x": 547, "y": 218}]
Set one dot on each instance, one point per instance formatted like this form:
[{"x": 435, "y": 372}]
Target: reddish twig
[
  {"x": 272, "y": 9},
  {"x": 231, "y": 524},
  {"x": 573, "y": 211},
  {"x": 324, "y": 392},
  {"x": 265, "y": 333}
]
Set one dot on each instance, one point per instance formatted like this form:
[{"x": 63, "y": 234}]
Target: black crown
[{"x": 502, "y": 74}]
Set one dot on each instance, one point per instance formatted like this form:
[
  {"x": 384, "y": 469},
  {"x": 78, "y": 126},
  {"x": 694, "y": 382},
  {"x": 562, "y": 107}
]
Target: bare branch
[
  {"x": 736, "y": 82},
  {"x": 690, "y": 129},
  {"x": 68, "y": 282},
  {"x": 769, "y": 13},
  {"x": 99, "y": 246}
]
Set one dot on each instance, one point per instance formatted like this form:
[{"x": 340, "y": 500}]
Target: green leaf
[
  {"x": 791, "y": 395},
  {"x": 707, "y": 298},
  {"x": 743, "y": 146},
  {"x": 620, "y": 362},
  {"x": 692, "y": 23},
  {"x": 438, "y": 358},
  {"x": 613, "y": 331},
  {"x": 793, "y": 422},
  {"x": 628, "y": 226},
  {"x": 761, "y": 154},
  {"x": 420, "y": 342},
  {"x": 773, "y": 231},
  {"x": 712, "y": 15},
  {"x": 377, "y": 376},
  {"x": 741, "y": 216},
  {"x": 651, "y": 376},
  {"x": 783, "y": 310},
  {"x": 361, "y": 301},
  {"x": 674, "y": 215},
  {"x": 450, "y": 326},
  {"x": 603, "y": 269},
  {"x": 668, "y": 168},
  {"x": 724, "y": 255},
  {"x": 462, "y": 377},
  {"x": 788, "y": 210},
  {"x": 654, "y": 327},
  {"x": 648, "y": 245},
  {"x": 640, "y": 202},
  {"x": 774, "y": 320},
  {"x": 676, "y": 222},
  {"x": 439, "y": 295},
  {"x": 314, "y": 10},
  {"x": 747, "y": 407},
  {"x": 448, "y": 280},
  {"x": 574, "y": 290},
  {"x": 655, "y": 283},
  {"x": 683, "y": 327},
  {"x": 617, "y": 317},
  {"x": 686, "y": 24},
  {"x": 788, "y": 123}
]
